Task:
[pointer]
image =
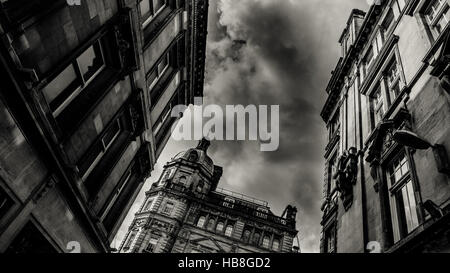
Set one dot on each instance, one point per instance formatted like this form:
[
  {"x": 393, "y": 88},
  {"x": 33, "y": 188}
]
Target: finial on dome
[{"x": 203, "y": 144}]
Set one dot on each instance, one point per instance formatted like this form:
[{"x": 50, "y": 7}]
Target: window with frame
[
  {"x": 246, "y": 236},
  {"x": 262, "y": 212},
  {"x": 228, "y": 202},
  {"x": 6, "y": 203},
  {"x": 220, "y": 226},
  {"x": 149, "y": 204},
  {"x": 152, "y": 245},
  {"x": 210, "y": 225},
  {"x": 130, "y": 240},
  {"x": 368, "y": 59},
  {"x": 276, "y": 245},
  {"x": 201, "y": 221},
  {"x": 168, "y": 208},
  {"x": 149, "y": 9},
  {"x": 330, "y": 239},
  {"x": 377, "y": 105},
  {"x": 182, "y": 180},
  {"x": 437, "y": 15},
  {"x": 402, "y": 198},
  {"x": 256, "y": 238},
  {"x": 393, "y": 80},
  {"x": 266, "y": 242},
  {"x": 229, "y": 230},
  {"x": 334, "y": 126},
  {"x": 332, "y": 165},
  {"x": 117, "y": 193},
  {"x": 159, "y": 70},
  {"x": 69, "y": 83},
  {"x": 100, "y": 148},
  {"x": 388, "y": 22}
]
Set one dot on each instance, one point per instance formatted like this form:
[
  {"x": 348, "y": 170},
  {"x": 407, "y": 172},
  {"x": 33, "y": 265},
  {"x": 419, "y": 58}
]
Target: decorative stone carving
[{"x": 347, "y": 170}]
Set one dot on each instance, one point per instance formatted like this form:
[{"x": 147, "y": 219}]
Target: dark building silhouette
[
  {"x": 387, "y": 172},
  {"x": 85, "y": 99},
  {"x": 185, "y": 212}
]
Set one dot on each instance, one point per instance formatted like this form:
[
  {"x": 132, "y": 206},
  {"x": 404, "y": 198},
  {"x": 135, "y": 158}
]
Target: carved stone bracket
[
  {"x": 347, "y": 170},
  {"x": 137, "y": 113}
]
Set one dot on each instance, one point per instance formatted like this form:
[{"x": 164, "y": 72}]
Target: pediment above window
[{"x": 382, "y": 140}]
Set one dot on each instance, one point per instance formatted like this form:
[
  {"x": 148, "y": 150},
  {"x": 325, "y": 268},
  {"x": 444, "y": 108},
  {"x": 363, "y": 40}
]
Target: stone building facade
[
  {"x": 86, "y": 88},
  {"x": 387, "y": 173},
  {"x": 185, "y": 212}
]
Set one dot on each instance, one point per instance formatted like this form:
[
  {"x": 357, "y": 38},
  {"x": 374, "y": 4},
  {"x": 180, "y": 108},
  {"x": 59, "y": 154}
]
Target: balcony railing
[{"x": 220, "y": 199}]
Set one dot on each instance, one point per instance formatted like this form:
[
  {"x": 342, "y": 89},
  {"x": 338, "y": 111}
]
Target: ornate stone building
[
  {"x": 86, "y": 91},
  {"x": 185, "y": 212},
  {"x": 387, "y": 172}
]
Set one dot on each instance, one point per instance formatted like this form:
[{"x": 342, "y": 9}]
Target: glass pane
[
  {"x": 90, "y": 61},
  {"x": 413, "y": 207},
  {"x": 111, "y": 134},
  {"x": 163, "y": 65},
  {"x": 157, "y": 5},
  {"x": 145, "y": 8},
  {"x": 153, "y": 78},
  {"x": 219, "y": 227},
  {"x": 60, "y": 83},
  {"x": 275, "y": 245}
]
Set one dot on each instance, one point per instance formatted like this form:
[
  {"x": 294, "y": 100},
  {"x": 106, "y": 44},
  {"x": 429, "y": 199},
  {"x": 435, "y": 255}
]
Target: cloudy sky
[{"x": 272, "y": 52}]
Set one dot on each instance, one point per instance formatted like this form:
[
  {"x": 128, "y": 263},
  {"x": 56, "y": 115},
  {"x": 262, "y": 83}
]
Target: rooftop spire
[{"x": 203, "y": 144}]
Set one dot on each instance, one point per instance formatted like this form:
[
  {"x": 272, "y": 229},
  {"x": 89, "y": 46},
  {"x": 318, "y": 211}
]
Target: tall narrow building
[
  {"x": 387, "y": 172},
  {"x": 87, "y": 88},
  {"x": 185, "y": 212}
]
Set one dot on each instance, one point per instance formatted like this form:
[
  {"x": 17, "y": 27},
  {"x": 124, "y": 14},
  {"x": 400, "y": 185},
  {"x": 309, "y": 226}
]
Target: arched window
[
  {"x": 229, "y": 230},
  {"x": 148, "y": 205},
  {"x": 130, "y": 240},
  {"x": 266, "y": 241},
  {"x": 201, "y": 221},
  {"x": 262, "y": 212},
  {"x": 210, "y": 225},
  {"x": 256, "y": 237},
  {"x": 276, "y": 245},
  {"x": 182, "y": 180},
  {"x": 219, "y": 227},
  {"x": 246, "y": 236},
  {"x": 200, "y": 186}
]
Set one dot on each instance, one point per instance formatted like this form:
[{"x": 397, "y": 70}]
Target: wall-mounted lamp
[{"x": 410, "y": 139}]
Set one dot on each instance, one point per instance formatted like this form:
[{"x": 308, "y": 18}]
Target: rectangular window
[
  {"x": 334, "y": 126},
  {"x": 402, "y": 198},
  {"x": 116, "y": 195},
  {"x": 393, "y": 80},
  {"x": 149, "y": 9},
  {"x": 332, "y": 164},
  {"x": 158, "y": 71},
  {"x": 98, "y": 150},
  {"x": 388, "y": 22},
  {"x": 330, "y": 239},
  {"x": 151, "y": 247},
  {"x": 368, "y": 59},
  {"x": 438, "y": 16},
  {"x": 377, "y": 106},
  {"x": 168, "y": 208},
  {"x": 68, "y": 84},
  {"x": 5, "y": 203}
]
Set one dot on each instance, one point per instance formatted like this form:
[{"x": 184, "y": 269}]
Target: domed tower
[
  {"x": 190, "y": 174},
  {"x": 185, "y": 212},
  {"x": 192, "y": 170}
]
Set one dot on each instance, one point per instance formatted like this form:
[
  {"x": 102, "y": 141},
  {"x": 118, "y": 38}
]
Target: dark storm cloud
[
  {"x": 272, "y": 52},
  {"x": 276, "y": 52}
]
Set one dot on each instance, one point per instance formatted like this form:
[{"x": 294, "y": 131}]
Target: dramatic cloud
[{"x": 272, "y": 52}]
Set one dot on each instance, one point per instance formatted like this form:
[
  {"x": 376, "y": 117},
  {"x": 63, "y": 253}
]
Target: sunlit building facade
[
  {"x": 86, "y": 91},
  {"x": 185, "y": 212},
  {"x": 386, "y": 181}
]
